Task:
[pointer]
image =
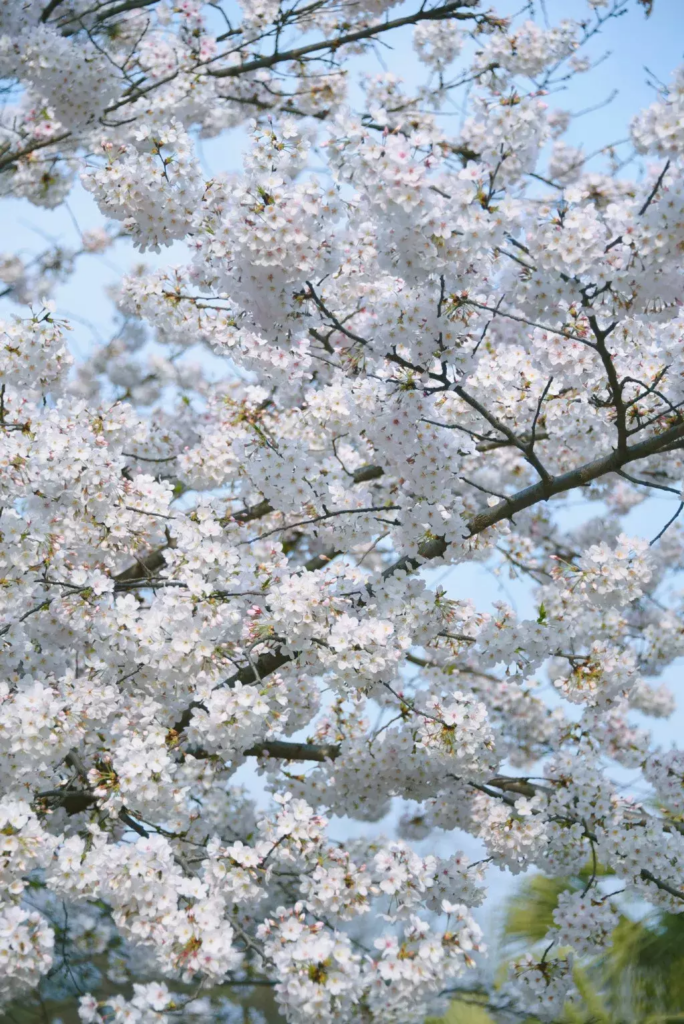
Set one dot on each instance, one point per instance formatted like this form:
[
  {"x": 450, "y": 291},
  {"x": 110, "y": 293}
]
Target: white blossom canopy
[{"x": 428, "y": 348}]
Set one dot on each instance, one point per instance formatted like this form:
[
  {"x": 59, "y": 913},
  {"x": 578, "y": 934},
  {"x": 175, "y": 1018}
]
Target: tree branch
[
  {"x": 448, "y": 10},
  {"x": 528, "y": 496},
  {"x": 290, "y": 751},
  {"x": 655, "y": 188}
]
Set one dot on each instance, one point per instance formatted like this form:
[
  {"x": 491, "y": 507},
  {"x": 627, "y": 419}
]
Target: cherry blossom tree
[{"x": 427, "y": 349}]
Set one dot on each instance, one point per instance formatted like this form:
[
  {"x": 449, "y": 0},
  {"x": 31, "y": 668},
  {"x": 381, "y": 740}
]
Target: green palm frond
[
  {"x": 638, "y": 979},
  {"x": 529, "y": 913},
  {"x": 464, "y": 1010}
]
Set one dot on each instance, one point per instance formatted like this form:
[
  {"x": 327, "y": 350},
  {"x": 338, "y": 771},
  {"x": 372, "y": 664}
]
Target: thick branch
[
  {"x": 12, "y": 157},
  {"x": 150, "y": 563},
  {"x": 143, "y": 567},
  {"x": 52, "y": 6},
  {"x": 126, "y": 5},
  {"x": 543, "y": 489},
  {"x": 290, "y": 751},
  {"x": 614, "y": 382},
  {"x": 448, "y": 10},
  {"x": 648, "y": 877}
]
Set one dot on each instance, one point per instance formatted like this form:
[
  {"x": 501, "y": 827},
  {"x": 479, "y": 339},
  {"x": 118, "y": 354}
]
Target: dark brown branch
[
  {"x": 448, "y": 10},
  {"x": 366, "y": 473},
  {"x": 496, "y": 311},
  {"x": 32, "y": 611},
  {"x": 52, "y": 6},
  {"x": 290, "y": 751},
  {"x": 248, "y": 515},
  {"x": 12, "y": 157},
  {"x": 144, "y": 567},
  {"x": 655, "y": 188},
  {"x": 263, "y": 666},
  {"x": 540, "y": 491},
  {"x": 132, "y": 823},
  {"x": 126, "y": 5},
  {"x": 615, "y": 384},
  {"x": 648, "y": 877},
  {"x": 325, "y": 516},
  {"x": 667, "y": 525},
  {"x": 333, "y": 319},
  {"x": 149, "y": 564},
  {"x": 649, "y": 483},
  {"x": 527, "y": 448}
]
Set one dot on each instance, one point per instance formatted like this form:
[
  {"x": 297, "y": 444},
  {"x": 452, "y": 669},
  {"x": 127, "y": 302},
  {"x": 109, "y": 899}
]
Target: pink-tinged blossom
[{"x": 390, "y": 344}]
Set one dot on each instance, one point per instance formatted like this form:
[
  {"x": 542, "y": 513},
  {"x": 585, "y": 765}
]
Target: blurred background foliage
[{"x": 638, "y": 979}]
